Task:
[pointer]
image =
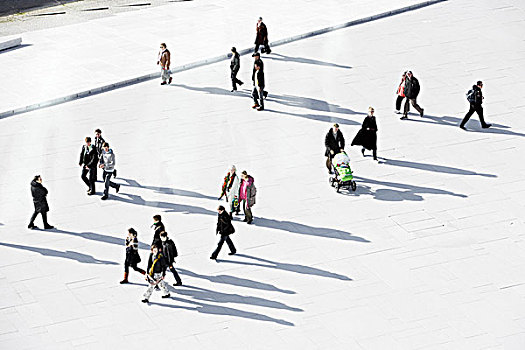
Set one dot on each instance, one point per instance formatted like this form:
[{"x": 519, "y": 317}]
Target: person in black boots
[
  {"x": 132, "y": 255},
  {"x": 412, "y": 89},
  {"x": 258, "y": 90},
  {"x": 39, "y": 193},
  {"x": 225, "y": 229},
  {"x": 158, "y": 227},
  {"x": 170, "y": 253},
  {"x": 89, "y": 161},
  {"x": 156, "y": 273},
  {"x": 475, "y": 98},
  {"x": 367, "y": 135},
  {"x": 334, "y": 142},
  {"x": 235, "y": 65}
]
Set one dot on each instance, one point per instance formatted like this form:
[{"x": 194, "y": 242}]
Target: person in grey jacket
[
  {"x": 107, "y": 162},
  {"x": 235, "y": 65}
]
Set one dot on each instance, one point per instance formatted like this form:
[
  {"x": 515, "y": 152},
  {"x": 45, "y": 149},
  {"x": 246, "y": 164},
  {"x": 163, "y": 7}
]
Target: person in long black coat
[
  {"x": 39, "y": 193},
  {"x": 235, "y": 65},
  {"x": 89, "y": 161},
  {"x": 334, "y": 142},
  {"x": 367, "y": 135},
  {"x": 225, "y": 229}
]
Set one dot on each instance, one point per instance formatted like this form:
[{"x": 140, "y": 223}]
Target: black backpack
[{"x": 471, "y": 96}]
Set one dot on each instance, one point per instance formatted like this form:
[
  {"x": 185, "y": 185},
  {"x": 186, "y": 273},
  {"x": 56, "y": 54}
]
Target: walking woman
[
  {"x": 132, "y": 255},
  {"x": 401, "y": 94},
  {"x": 367, "y": 136},
  {"x": 39, "y": 193}
]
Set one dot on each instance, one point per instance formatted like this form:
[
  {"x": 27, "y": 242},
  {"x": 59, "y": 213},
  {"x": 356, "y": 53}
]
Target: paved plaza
[{"x": 427, "y": 253}]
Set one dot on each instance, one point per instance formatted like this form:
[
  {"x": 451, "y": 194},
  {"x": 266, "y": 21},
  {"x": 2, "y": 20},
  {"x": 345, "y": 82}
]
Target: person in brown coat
[
  {"x": 262, "y": 37},
  {"x": 164, "y": 60}
]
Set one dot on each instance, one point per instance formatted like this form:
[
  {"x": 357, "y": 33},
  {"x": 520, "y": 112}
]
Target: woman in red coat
[{"x": 400, "y": 94}]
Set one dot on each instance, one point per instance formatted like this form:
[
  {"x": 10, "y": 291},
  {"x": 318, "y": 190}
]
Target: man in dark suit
[
  {"x": 88, "y": 161},
  {"x": 334, "y": 143},
  {"x": 258, "y": 89}
]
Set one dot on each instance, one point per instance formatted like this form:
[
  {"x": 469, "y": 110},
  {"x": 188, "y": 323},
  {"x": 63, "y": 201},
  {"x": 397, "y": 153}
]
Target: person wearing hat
[
  {"x": 39, "y": 193},
  {"x": 334, "y": 142},
  {"x": 235, "y": 65},
  {"x": 475, "y": 98},
  {"x": 261, "y": 37},
  {"x": 412, "y": 89}
]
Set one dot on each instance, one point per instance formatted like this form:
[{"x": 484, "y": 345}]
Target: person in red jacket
[{"x": 401, "y": 93}]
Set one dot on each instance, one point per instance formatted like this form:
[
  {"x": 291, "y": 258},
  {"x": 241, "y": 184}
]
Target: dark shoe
[
  {"x": 486, "y": 126},
  {"x": 49, "y": 227},
  {"x": 124, "y": 281},
  {"x": 232, "y": 253},
  {"x": 118, "y": 188},
  {"x": 177, "y": 284},
  {"x": 104, "y": 197},
  {"x": 462, "y": 127},
  {"x": 213, "y": 257},
  {"x": 31, "y": 226},
  {"x": 375, "y": 158},
  {"x": 90, "y": 193},
  {"x": 163, "y": 83},
  {"x": 145, "y": 300},
  {"x": 421, "y": 114},
  {"x": 166, "y": 296},
  {"x": 255, "y": 106},
  {"x": 250, "y": 222},
  {"x": 231, "y": 216},
  {"x": 245, "y": 220},
  {"x": 260, "y": 108},
  {"x": 265, "y": 94},
  {"x": 115, "y": 173},
  {"x": 363, "y": 151},
  {"x": 233, "y": 90},
  {"x": 169, "y": 81},
  {"x": 240, "y": 83},
  {"x": 237, "y": 212},
  {"x": 403, "y": 117},
  {"x": 157, "y": 287}
]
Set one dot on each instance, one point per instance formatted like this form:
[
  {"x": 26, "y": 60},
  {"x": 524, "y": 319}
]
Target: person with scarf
[
  {"x": 132, "y": 255},
  {"x": 367, "y": 135},
  {"x": 230, "y": 189},
  {"x": 164, "y": 60},
  {"x": 156, "y": 273}
]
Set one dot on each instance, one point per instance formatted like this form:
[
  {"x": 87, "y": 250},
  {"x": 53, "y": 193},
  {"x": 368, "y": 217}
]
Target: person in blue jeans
[{"x": 107, "y": 163}]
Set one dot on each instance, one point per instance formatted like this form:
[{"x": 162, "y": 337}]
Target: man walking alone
[
  {"x": 475, "y": 98},
  {"x": 235, "y": 65}
]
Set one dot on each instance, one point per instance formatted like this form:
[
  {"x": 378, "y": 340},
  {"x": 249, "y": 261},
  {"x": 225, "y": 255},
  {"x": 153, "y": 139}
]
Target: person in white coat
[
  {"x": 230, "y": 189},
  {"x": 107, "y": 162}
]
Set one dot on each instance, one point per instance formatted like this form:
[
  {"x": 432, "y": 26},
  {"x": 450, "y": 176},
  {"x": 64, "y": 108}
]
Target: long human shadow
[
  {"x": 279, "y": 57},
  {"x": 288, "y": 226},
  {"x": 236, "y": 281},
  {"x": 431, "y": 167},
  {"x": 221, "y": 310},
  {"x": 219, "y": 297},
  {"x": 301, "y": 269},
  {"x": 68, "y": 254},
  {"x": 317, "y": 117},
  {"x": 472, "y": 125},
  {"x": 397, "y": 192},
  {"x": 92, "y": 236},
  {"x": 166, "y": 190},
  {"x": 288, "y": 100}
]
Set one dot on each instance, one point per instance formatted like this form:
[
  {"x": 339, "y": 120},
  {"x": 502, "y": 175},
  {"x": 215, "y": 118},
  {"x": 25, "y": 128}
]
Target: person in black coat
[
  {"x": 132, "y": 255},
  {"x": 156, "y": 273},
  {"x": 412, "y": 89},
  {"x": 258, "y": 89},
  {"x": 89, "y": 161},
  {"x": 334, "y": 143},
  {"x": 39, "y": 193},
  {"x": 475, "y": 100},
  {"x": 258, "y": 62},
  {"x": 235, "y": 65},
  {"x": 367, "y": 135},
  {"x": 158, "y": 227},
  {"x": 225, "y": 229},
  {"x": 170, "y": 253},
  {"x": 261, "y": 37}
]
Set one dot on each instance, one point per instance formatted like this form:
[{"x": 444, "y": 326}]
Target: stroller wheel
[{"x": 354, "y": 186}]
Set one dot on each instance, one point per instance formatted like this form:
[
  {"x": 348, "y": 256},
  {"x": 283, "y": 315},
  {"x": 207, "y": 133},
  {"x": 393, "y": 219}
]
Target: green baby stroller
[{"x": 344, "y": 177}]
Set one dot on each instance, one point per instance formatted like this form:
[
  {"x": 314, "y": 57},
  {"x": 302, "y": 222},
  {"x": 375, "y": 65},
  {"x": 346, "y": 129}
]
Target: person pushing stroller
[{"x": 335, "y": 143}]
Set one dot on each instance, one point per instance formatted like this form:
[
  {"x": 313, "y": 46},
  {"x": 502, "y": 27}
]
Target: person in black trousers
[
  {"x": 412, "y": 89},
  {"x": 367, "y": 135},
  {"x": 235, "y": 65},
  {"x": 261, "y": 37},
  {"x": 258, "y": 89},
  {"x": 39, "y": 193},
  {"x": 158, "y": 227},
  {"x": 334, "y": 142},
  {"x": 89, "y": 161},
  {"x": 257, "y": 61},
  {"x": 132, "y": 255},
  {"x": 225, "y": 229},
  {"x": 475, "y": 98},
  {"x": 170, "y": 253}
]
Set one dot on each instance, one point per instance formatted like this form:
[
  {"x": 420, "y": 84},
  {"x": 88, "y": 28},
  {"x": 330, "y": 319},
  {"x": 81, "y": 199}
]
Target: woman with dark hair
[
  {"x": 132, "y": 255},
  {"x": 39, "y": 193},
  {"x": 367, "y": 135}
]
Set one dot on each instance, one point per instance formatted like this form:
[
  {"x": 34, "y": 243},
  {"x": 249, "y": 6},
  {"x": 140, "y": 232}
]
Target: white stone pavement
[
  {"x": 427, "y": 254},
  {"x": 63, "y": 60}
]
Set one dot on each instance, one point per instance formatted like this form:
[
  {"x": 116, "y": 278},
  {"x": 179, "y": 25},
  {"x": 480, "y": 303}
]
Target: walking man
[
  {"x": 156, "y": 273},
  {"x": 164, "y": 60},
  {"x": 170, "y": 253},
  {"x": 158, "y": 227},
  {"x": 107, "y": 163},
  {"x": 412, "y": 89},
  {"x": 247, "y": 193},
  {"x": 334, "y": 142},
  {"x": 88, "y": 161},
  {"x": 235, "y": 65},
  {"x": 225, "y": 229},
  {"x": 475, "y": 98},
  {"x": 258, "y": 89},
  {"x": 39, "y": 193},
  {"x": 257, "y": 61},
  {"x": 99, "y": 141},
  {"x": 261, "y": 37}
]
